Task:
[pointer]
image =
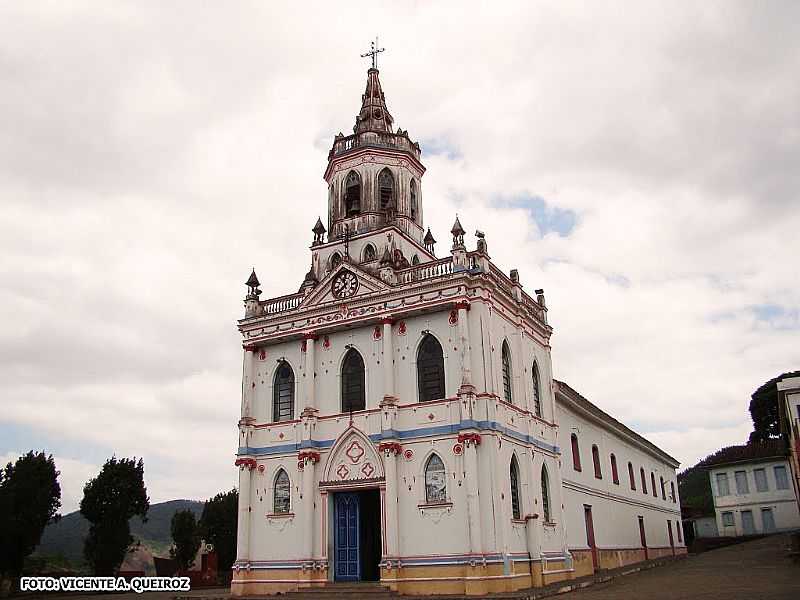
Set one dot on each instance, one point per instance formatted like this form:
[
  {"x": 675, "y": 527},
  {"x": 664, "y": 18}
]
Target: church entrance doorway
[{"x": 357, "y": 535}]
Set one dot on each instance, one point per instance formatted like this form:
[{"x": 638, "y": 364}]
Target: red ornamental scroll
[
  {"x": 468, "y": 438},
  {"x": 249, "y": 463},
  {"x": 393, "y": 447}
]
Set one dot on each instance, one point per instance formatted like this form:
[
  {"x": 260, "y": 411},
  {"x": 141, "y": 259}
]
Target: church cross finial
[{"x": 373, "y": 52}]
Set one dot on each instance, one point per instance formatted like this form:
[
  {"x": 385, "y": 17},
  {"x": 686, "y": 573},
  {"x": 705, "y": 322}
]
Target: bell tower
[{"x": 374, "y": 175}]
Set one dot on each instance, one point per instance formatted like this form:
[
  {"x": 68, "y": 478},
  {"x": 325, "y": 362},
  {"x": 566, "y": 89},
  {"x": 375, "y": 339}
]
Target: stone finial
[
  {"x": 310, "y": 281},
  {"x": 514, "y": 275},
  {"x": 429, "y": 241},
  {"x": 386, "y": 259},
  {"x": 252, "y": 285},
  {"x": 482, "y": 247},
  {"x": 319, "y": 232},
  {"x": 458, "y": 233},
  {"x": 540, "y": 298}
]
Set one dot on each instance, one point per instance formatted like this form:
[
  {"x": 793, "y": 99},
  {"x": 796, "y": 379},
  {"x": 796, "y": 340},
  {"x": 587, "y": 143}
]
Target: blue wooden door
[{"x": 347, "y": 567}]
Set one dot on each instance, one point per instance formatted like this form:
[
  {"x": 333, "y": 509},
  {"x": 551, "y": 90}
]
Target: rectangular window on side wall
[
  {"x": 727, "y": 519},
  {"x": 741, "y": 482},
  {"x": 722, "y": 485},
  {"x": 760, "y": 476},
  {"x": 781, "y": 480}
]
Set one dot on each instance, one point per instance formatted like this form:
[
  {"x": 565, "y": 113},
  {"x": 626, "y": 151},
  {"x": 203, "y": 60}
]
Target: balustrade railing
[
  {"x": 374, "y": 138},
  {"x": 428, "y": 270},
  {"x": 282, "y": 303}
]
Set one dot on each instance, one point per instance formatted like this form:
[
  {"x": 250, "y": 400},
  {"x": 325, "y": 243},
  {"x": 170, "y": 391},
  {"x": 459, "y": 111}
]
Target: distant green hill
[{"x": 65, "y": 538}]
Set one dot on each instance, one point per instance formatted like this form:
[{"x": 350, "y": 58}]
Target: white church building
[{"x": 400, "y": 422}]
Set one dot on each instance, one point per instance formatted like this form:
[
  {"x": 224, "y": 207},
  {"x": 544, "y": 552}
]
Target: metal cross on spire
[{"x": 373, "y": 52}]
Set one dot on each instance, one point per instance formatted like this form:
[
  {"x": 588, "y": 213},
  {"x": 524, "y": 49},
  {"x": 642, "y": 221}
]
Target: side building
[
  {"x": 752, "y": 490},
  {"x": 620, "y": 490}
]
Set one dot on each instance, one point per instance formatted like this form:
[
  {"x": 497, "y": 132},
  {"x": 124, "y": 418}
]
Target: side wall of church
[{"x": 615, "y": 507}]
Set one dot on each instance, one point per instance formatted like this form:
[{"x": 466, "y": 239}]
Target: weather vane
[{"x": 373, "y": 52}]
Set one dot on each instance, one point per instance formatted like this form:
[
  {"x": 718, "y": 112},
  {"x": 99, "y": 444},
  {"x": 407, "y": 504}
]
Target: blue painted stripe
[{"x": 408, "y": 434}]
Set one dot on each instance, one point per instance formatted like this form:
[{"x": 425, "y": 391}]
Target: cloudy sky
[{"x": 637, "y": 160}]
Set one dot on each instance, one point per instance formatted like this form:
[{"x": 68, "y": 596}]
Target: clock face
[{"x": 344, "y": 284}]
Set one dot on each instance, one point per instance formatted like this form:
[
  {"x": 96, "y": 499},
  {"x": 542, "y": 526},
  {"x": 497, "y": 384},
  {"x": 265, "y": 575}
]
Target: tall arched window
[
  {"x": 352, "y": 194},
  {"x": 576, "y": 452},
  {"x": 506, "y": 357},
  {"x": 630, "y": 475},
  {"x": 663, "y": 489},
  {"x": 430, "y": 369},
  {"x": 415, "y": 260},
  {"x": 281, "y": 502},
  {"x": 353, "y": 392},
  {"x": 283, "y": 393},
  {"x": 653, "y": 484},
  {"x": 614, "y": 473},
  {"x": 369, "y": 253},
  {"x": 514, "y": 475},
  {"x": 644, "y": 480},
  {"x": 598, "y": 473},
  {"x": 672, "y": 491},
  {"x": 545, "y": 495},
  {"x": 537, "y": 398},
  {"x": 336, "y": 260},
  {"x": 414, "y": 199},
  {"x": 435, "y": 480},
  {"x": 386, "y": 188}
]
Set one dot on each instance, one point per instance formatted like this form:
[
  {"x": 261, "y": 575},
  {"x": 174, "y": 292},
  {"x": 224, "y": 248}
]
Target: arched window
[
  {"x": 506, "y": 357},
  {"x": 386, "y": 188},
  {"x": 672, "y": 491},
  {"x": 598, "y": 473},
  {"x": 644, "y": 480},
  {"x": 282, "y": 501},
  {"x": 336, "y": 260},
  {"x": 576, "y": 453},
  {"x": 369, "y": 253},
  {"x": 283, "y": 393},
  {"x": 614, "y": 473},
  {"x": 514, "y": 475},
  {"x": 653, "y": 484},
  {"x": 435, "y": 480},
  {"x": 630, "y": 475},
  {"x": 537, "y": 398},
  {"x": 430, "y": 369},
  {"x": 413, "y": 200},
  {"x": 353, "y": 392},
  {"x": 663, "y": 489},
  {"x": 415, "y": 260},
  {"x": 352, "y": 194},
  {"x": 545, "y": 495}
]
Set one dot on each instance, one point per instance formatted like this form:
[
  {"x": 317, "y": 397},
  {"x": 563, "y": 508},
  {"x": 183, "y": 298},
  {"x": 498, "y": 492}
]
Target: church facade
[{"x": 400, "y": 421}]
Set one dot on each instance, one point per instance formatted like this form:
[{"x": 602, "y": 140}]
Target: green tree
[
  {"x": 29, "y": 498},
  {"x": 186, "y": 538},
  {"x": 218, "y": 526},
  {"x": 764, "y": 410},
  {"x": 109, "y": 501}
]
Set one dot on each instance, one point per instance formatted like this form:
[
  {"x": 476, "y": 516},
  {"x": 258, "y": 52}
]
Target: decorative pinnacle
[{"x": 253, "y": 280}]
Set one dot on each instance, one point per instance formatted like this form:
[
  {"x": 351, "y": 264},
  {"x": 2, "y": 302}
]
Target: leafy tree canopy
[
  {"x": 109, "y": 501},
  {"x": 29, "y": 498},
  {"x": 218, "y": 526},
  {"x": 186, "y": 538},
  {"x": 764, "y": 410}
]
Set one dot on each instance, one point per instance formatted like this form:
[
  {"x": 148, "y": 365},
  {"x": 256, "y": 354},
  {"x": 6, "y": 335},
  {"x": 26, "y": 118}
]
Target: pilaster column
[
  {"x": 249, "y": 361},
  {"x": 308, "y": 458},
  {"x": 390, "y": 451},
  {"x": 388, "y": 359},
  {"x": 471, "y": 442},
  {"x": 243, "y": 523},
  {"x": 466, "y": 350},
  {"x": 311, "y": 388}
]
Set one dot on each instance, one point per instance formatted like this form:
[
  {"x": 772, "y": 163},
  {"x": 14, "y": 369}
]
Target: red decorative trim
[
  {"x": 461, "y": 304},
  {"x": 393, "y": 447},
  {"x": 288, "y": 515},
  {"x": 310, "y": 455},
  {"x": 458, "y": 449},
  {"x": 250, "y": 347},
  {"x": 401, "y": 328},
  {"x": 303, "y": 346},
  {"x": 469, "y": 438},
  {"x": 310, "y": 335},
  {"x": 453, "y": 318},
  {"x": 250, "y": 463},
  {"x": 326, "y": 342},
  {"x": 377, "y": 332},
  {"x": 387, "y": 321}
]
